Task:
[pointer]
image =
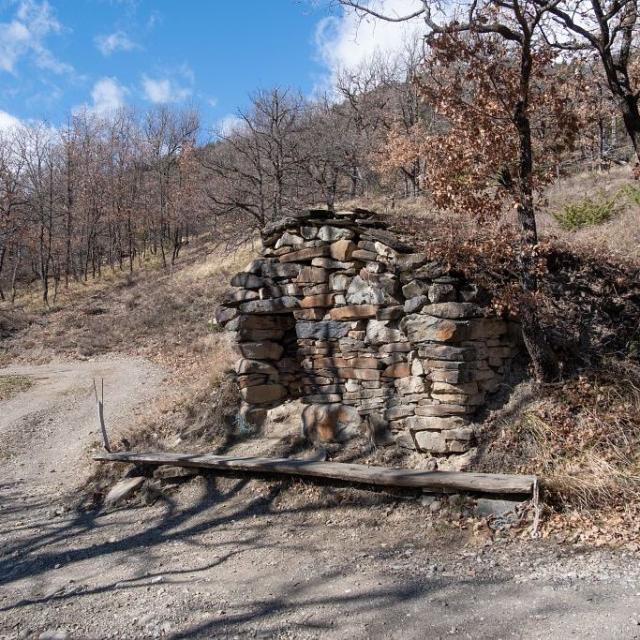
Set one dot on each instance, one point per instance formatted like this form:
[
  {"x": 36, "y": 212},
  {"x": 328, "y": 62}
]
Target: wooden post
[{"x": 100, "y": 406}]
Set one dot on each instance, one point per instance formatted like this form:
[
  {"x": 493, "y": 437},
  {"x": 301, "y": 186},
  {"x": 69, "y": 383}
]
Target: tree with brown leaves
[{"x": 512, "y": 29}]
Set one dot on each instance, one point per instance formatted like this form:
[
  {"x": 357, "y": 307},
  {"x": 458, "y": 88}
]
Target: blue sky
[{"x": 57, "y": 56}]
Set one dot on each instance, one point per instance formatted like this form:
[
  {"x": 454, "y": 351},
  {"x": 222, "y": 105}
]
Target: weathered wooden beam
[{"x": 496, "y": 483}]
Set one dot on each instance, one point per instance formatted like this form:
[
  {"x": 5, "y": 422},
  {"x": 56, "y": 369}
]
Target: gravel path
[{"x": 228, "y": 557}]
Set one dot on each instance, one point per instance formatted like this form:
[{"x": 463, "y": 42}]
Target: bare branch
[{"x": 381, "y": 16}]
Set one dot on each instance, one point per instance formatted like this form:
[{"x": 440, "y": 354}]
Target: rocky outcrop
[{"x": 340, "y": 313}]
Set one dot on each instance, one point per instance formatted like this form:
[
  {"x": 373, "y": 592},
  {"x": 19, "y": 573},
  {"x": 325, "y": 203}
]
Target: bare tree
[
  {"x": 408, "y": 118},
  {"x": 365, "y": 105},
  {"x": 255, "y": 168},
  {"x": 609, "y": 28},
  {"x": 167, "y": 134},
  {"x": 94, "y": 193},
  {"x": 12, "y": 200},
  {"x": 329, "y": 141},
  {"x": 36, "y": 150}
]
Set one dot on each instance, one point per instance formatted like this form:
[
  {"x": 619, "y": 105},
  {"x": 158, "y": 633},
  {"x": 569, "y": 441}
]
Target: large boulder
[
  {"x": 320, "y": 300},
  {"x": 453, "y": 310},
  {"x": 261, "y": 350},
  {"x": 263, "y": 393},
  {"x": 379, "y": 332},
  {"x": 330, "y": 234},
  {"x": 342, "y": 250},
  {"x": 312, "y": 275},
  {"x": 279, "y": 270},
  {"x": 308, "y": 253},
  {"x": 247, "y": 281},
  {"x": 285, "y": 304},
  {"x": 245, "y": 367},
  {"x": 354, "y": 312}
]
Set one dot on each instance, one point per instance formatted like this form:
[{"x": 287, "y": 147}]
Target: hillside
[
  {"x": 183, "y": 542},
  {"x": 592, "y": 302}
]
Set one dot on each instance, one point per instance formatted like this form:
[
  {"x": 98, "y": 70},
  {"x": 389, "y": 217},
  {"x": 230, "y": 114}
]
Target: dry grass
[
  {"x": 581, "y": 436},
  {"x": 29, "y": 298},
  {"x": 618, "y": 237},
  {"x": 11, "y": 386},
  {"x": 166, "y": 316}
]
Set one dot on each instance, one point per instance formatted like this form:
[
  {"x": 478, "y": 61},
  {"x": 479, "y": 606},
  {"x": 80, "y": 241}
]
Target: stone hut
[{"x": 370, "y": 335}]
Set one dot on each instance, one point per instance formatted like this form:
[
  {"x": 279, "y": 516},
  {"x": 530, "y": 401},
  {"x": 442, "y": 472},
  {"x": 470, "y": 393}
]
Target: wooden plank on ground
[{"x": 497, "y": 483}]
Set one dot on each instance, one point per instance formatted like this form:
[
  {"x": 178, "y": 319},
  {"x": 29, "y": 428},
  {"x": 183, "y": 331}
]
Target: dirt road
[
  {"x": 45, "y": 432},
  {"x": 226, "y": 558}
]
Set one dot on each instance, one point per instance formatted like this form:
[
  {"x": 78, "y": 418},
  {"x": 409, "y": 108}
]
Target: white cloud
[
  {"x": 14, "y": 41},
  {"x": 116, "y": 41},
  {"x": 163, "y": 90},
  {"x": 25, "y": 130},
  {"x": 347, "y": 41},
  {"x": 228, "y": 125},
  {"x": 107, "y": 96},
  {"x": 24, "y": 37},
  {"x": 8, "y": 122},
  {"x": 154, "y": 20}
]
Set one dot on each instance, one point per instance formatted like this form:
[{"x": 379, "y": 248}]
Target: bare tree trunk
[
  {"x": 14, "y": 275},
  {"x": 177, "y": 243},
  {"x": 56, "y": 280},
  {"x": 87, "y": 258},
  {"x": 601, "y": 142},
  {"x": 45, "y": 283},
  {"x": 3, "y": 253},
  {"x": 164, "y": 255},
  {"x": 542, "y": 358},
  {"x": 130, "y": 243},
  {"x": 631, "y": 118},
  {"x": 68, "y": 229}
]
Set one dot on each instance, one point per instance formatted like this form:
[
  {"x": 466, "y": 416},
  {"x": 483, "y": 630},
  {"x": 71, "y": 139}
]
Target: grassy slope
[
  {"x": 620, "y": 236},
  {"x": 582, "y": 434},
  {"x": 163, "y": 315}
]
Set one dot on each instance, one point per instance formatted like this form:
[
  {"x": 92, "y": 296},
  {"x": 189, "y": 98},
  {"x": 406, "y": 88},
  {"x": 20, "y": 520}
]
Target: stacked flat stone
[{"x": 339, "y": 312}]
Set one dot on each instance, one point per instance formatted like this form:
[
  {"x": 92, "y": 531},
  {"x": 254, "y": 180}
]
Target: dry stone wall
[{"x": 368, "y": 333}]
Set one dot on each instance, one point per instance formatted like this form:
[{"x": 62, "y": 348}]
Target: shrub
[
  {"x": 632, "y": 193},
  {"x": 586, "y": 212}
]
